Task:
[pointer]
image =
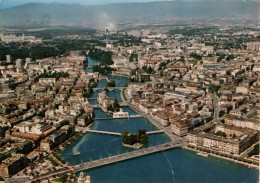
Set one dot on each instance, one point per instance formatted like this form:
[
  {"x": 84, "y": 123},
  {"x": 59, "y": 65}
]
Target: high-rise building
[
  {"x": 28, "y": 60},
  {"x": 8, "y": 59},
  {"x": 12, "y": 165},
  {"x": 107, "y": 32},
  {"x": 19, "y": 63},
  {"x": 253, "y": 46}
]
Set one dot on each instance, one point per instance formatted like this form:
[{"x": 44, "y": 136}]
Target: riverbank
[
  {"x": 135, "y": 146},
  {"x": 156, "y": 167},
  {"x": 245, "y": 162},
  {"x": 195, "y": 149},
  {"x": 155, "y": 123}
]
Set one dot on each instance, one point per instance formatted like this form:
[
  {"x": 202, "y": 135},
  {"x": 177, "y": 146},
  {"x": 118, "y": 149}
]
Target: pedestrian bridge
[
  {"x": 110, "y": 88},
  {"x": 121, "y": 104},
  {"x": 131, "y": 116},
  {"x": 119, "y": 134}
]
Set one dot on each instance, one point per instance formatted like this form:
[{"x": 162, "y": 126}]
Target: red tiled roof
[
  {"x": 25, "y": 135},
  {"x": 154, "y": 59}
]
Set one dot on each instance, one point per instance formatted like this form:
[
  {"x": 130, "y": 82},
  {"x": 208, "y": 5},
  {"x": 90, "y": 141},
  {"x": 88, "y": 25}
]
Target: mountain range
[{"x": 73, "y": 14}]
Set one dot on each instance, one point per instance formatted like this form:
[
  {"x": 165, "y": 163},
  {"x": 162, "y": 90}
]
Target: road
[
  {"x": 216, "y": 110},
  {"x": 126, "y": 156}
]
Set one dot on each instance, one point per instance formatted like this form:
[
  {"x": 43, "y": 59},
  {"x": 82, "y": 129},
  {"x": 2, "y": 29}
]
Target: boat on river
[
  {"x": 76, "y": 153},
  {"x": 203, "y": 154}
]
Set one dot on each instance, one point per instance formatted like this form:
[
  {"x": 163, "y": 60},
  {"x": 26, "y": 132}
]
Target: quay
[{"x": 166, "y": 130}]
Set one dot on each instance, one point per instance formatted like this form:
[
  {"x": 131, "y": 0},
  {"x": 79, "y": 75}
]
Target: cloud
[{"x": 104, "y": 20}]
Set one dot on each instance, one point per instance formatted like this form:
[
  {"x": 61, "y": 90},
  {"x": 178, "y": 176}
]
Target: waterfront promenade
[{"x": 166, "y": 130}]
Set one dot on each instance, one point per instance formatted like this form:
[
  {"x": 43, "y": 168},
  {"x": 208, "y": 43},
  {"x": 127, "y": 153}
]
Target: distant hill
[{"x": 68, "y": 14}]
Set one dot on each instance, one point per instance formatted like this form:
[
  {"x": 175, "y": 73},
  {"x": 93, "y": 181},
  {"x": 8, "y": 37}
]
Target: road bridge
[
  {"x": 119, "y": 134},
  {"x": 154, "y": 132},
  {"x": 113, "y": 159},
  {"x": 110, "y": 88},
  {"x": 127, "y": 75},
  {"x": 104, "y": 78},
  {"x": 130, "y": 117},
  {"x": 126, "y": 156},
  {"x": 121, "y": 104},
  {"x": 95, "y": 106},
  {"x": 104, "y": 132}
]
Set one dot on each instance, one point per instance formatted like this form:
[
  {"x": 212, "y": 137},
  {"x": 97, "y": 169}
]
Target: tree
[
  {"x": 141, "y": 132},
  {"x": 147, "y": 69},
  {"x": 124, "y": 137},
  {"x": 93, "y": 84},
  {"x": 12, "y": 86},
  {"x": 111, "y": 83},
  {"x": 140, "y": 137},
  {"x": 221, "y": 113},
  {"x": 220, "y": 133},
  {"x": 234, "y": 136},
  {"x": 143, "y": 139},
  {"x": 104, "y": 56},
  {"x": 132, "y": 139},
  {"x": 133, "y": 57},
  {"x": 214, "y": 88},
  {"x": 116, "y": 104},
  {"x": 110, "y": 108},
  {"x": 230, "y": 57},
  {"x": 196, "y": 56}
]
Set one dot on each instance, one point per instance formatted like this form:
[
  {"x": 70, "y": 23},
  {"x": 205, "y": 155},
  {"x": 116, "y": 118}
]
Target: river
[{"x": 176, "y": 165}]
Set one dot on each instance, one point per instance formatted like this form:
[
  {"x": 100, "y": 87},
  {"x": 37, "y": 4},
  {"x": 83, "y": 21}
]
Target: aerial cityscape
[{"x": 121, "y": 91}]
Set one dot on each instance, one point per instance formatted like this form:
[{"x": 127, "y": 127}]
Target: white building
[
  {"x": 83, "y": 179},
  {"x": 120, "y": 114}
]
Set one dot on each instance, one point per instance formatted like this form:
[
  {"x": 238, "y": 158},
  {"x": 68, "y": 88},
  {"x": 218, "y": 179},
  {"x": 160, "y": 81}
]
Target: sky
[{"x": 10, "y": 3}]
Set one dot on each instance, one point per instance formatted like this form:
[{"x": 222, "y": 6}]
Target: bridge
[
  {"x": 130, "y": 117},
  {"x": 110, "y": 88},
  {"x": 92, "y": 98},
  {"x": 104, "y": 78},
  {"x": 119, "y": 134},
  {"x": 126, "y": 156},
  {"x": 104, "y": 132},
  {"x": 113, "y": 159},
  {"x": 121, "y": 104},
  {"x": 95, "y": 106},
  {"x": 124, "y": 74}
]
